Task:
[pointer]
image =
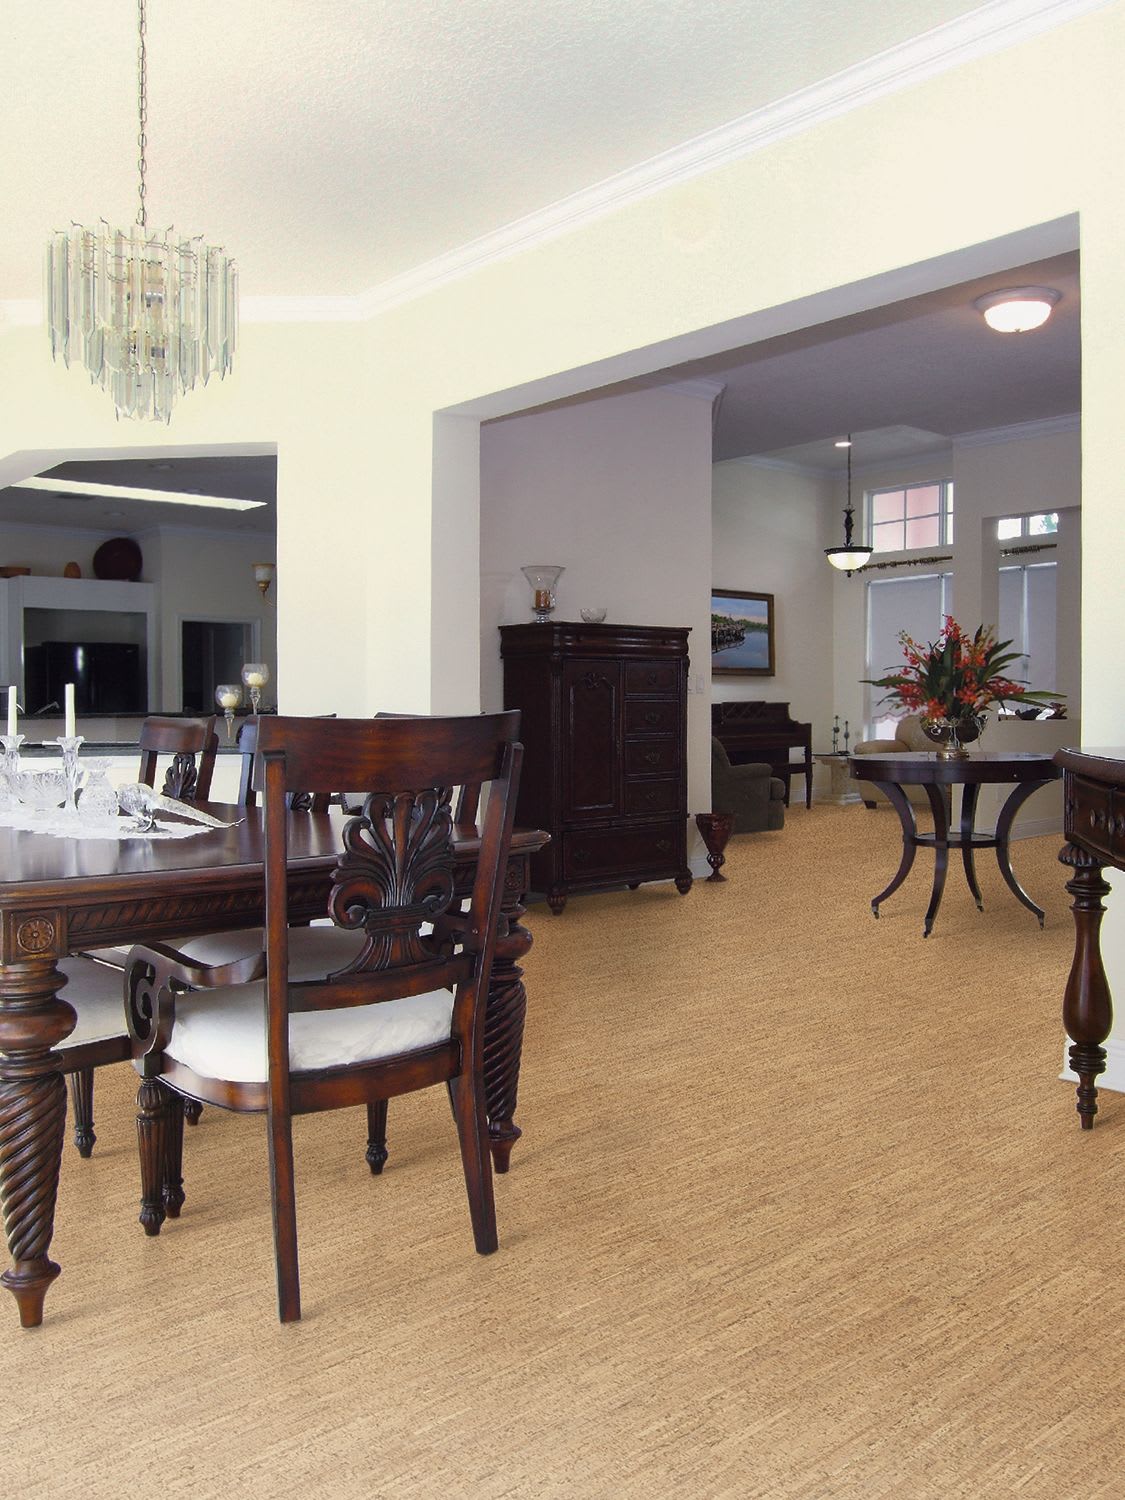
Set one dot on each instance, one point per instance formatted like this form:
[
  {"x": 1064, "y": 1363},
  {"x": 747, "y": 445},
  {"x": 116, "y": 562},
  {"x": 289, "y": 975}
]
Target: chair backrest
[
  {"x": 187, "y": 778},
  {"x": 249, "y": 774},
  {"x": 395, "y": 871}
]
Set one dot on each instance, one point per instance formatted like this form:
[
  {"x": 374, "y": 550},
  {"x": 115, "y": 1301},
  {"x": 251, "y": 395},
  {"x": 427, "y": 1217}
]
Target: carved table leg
[
  {"x": 969, "y": 793},
  {"x": 1003, "y": 837},
  {"x": 898, "y": 800},
  {"x": 33, "y": 1020},
  {"x": 82, "y": 1103},
  {"x": 503, "y": 1036},
  {"x": 1087, "y": 1007},
  {"x": 173, "y": 1192},
  {"x": 940, "y": 809}
]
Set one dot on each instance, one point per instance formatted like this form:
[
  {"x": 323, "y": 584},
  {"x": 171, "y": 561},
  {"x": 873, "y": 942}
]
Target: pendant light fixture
[
  {"x": 851, "y": 555},
  {"x": 148, "y": 315}
]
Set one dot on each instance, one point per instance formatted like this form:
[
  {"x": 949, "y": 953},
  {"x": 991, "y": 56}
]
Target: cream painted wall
[
  {"x": 770, "y": 527},
  {"x": 779, "y": 245},
  {"x": 618, "y": 491}
]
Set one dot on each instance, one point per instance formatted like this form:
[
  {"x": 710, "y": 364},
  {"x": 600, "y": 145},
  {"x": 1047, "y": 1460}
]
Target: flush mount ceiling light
[
  {"x": 148, "y": 315},
  {"x": 1017, "y": 309},
  {"x": 851, "y": 555}
]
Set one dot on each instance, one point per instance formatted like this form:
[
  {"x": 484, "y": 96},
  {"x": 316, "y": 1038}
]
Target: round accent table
[{"x": 1027, "y": 773}]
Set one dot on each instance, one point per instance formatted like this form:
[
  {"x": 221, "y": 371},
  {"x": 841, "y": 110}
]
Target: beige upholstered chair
[{"x": 908, "y": 736}]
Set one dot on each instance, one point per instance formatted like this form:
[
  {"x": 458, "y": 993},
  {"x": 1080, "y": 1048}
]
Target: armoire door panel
[{"x": 592, "y": 757}]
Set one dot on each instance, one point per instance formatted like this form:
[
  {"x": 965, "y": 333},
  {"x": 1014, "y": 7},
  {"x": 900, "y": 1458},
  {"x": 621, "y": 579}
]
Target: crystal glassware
[
  {"x": 593, "y": 616},
  {"x": 228, "y": 695},
  {"x": 9, "y": 769},
  {"x": 255, "y": 674},
  {"x": 42, "y": 791},
  {"x": 136, "y": 802},
  {"x": 97, "y": 801},
  {"x": 69, "y": 745},
  {"x": 542, "y": 578}
]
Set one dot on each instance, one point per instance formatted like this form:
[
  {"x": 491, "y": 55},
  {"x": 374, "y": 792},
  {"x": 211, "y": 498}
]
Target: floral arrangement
[{"x": 957, "y": 677}]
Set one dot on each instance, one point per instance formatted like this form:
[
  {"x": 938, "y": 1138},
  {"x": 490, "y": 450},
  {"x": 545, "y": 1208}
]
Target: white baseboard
[{"x": 1114, "y": 1076}]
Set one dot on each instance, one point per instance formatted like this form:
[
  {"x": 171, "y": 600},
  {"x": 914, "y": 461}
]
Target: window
[
  {"x": 916, "y": 605},
  {"x": 1044, "y": 524},
  {"x": 1027, "y": 619},
  {"x": 914, "y": 515}
]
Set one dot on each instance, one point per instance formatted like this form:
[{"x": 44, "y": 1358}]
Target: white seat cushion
[
  {"x": 97, "y": 997},
  {"x": 313, "y": 951},
  {"x": 222, "y": 1033}
]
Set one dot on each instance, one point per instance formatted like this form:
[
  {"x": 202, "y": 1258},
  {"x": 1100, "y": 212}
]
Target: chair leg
[
  {"x": 284, "y": 1207},
  {"x": 82, "y": 1102},
  {"x": 376, "y": 1153},
  {"x": 192, "y": 1111},
  {"x": 154, "y": 1101},
  {"x": 174, "y": 1158},
  {"x": 467, "y": 1096}
]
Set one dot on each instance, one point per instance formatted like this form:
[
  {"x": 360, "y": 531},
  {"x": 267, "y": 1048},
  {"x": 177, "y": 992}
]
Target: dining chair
[
  {"x": 406, "y": 1013},
  {"x": 93, "y": 989}
]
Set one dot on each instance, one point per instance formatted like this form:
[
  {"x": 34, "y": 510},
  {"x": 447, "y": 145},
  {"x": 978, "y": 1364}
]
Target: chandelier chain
[{"x": 142, "y": 109}]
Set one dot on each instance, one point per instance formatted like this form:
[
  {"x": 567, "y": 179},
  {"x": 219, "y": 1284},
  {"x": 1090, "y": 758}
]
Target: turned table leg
[
  {"x": 1087, "y": 1007},
  {"x": 33, "y": 1020}
]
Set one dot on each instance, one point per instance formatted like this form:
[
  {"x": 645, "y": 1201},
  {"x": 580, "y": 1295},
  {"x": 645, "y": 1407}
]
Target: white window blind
[
  {"x": 1027, "y": 619},
  {"x": 916, "y": 605}
]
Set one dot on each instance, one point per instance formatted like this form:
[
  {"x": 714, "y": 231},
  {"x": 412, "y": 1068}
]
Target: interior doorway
[{"x": 211, "y": 652}]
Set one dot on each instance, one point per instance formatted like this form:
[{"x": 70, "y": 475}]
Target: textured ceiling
[{"x": 332, "y": 144}]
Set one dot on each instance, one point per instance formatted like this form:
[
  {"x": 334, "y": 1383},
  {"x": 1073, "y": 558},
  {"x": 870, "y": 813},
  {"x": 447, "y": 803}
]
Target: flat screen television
[{"x": 108, "y": 677}]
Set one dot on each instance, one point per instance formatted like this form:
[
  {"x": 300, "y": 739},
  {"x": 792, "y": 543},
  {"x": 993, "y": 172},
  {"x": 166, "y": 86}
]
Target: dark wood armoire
[{"x": 604, "y": 730}]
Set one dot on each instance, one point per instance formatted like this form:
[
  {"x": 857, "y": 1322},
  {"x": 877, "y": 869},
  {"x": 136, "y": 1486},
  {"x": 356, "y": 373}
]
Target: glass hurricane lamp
[
  {"x": 542, "y": 577},
  {"x": 228, "y": 695},
  {"x": 255, "y": 674}
]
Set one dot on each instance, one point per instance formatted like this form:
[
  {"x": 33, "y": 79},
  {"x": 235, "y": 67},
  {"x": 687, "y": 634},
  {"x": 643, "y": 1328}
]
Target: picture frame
[{"x": 742, "y": 634}]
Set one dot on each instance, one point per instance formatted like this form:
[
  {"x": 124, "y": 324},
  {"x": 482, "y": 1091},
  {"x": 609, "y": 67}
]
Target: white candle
[
  {"x": 69, "y": 730},
  {"x": 230, "y": 698},
  {"x": 12, "y": 710},
  {"x": 255, "y": 679}
]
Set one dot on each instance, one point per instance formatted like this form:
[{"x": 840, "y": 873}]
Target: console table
[
  {"x": 891, "y": 772},
  {"x": 1094, "y": 826}
]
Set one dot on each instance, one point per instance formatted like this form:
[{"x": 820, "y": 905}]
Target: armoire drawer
[
  {"x": 1096, "y": 816},
  {"x": 654, "y": 717},
  {"x": 651, "y": 676},
  {"x": 651, "y": 757},
  {"x": 651, "y": 798},
  {"x": 615, "y": 851}
]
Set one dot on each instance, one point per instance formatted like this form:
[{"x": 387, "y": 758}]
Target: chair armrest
[
  {"x": 154, "y": 975},
  {"x": 878, "y": 747}
]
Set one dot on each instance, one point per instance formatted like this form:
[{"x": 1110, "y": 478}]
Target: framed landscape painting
[{"x": 742, "y": 633}]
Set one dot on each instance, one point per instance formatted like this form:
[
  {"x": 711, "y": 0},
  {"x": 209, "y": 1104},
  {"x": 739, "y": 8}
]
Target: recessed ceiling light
[
  {"x": 843, "y": 443},
  {"x": 131, "y": 492},
  {"x": 1017, "y": 309}
]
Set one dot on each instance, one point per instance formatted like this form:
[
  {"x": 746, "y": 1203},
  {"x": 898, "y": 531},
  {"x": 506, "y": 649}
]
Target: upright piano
[{"x": 759, "y": 731}]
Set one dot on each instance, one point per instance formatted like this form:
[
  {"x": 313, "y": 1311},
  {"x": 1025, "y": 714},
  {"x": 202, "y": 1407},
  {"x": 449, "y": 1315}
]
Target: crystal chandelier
[{"x": 148, "y": 315}]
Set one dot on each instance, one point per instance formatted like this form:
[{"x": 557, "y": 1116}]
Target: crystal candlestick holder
[
  {"x": 68, "y": 744},
  {"x": 228, "y": 695},
  {"x": 255, "y": 674},
  {"x": 542, "y": 578},
  {"x": 9, "y": 770}
]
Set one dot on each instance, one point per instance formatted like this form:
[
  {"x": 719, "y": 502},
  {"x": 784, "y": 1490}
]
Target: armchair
[
  {"x": 752, "y": 793},
  {"x": 908, "y": 736}
]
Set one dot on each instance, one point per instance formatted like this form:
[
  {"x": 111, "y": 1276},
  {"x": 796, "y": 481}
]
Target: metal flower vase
[{"x": 952, "y": 735}]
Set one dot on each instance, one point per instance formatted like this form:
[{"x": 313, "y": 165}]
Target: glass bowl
[
  {"x": 593, "y": 616},
  {"x": 41, "y": 790}
]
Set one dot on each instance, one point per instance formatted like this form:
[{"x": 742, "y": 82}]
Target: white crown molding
[
  {"x": 784, "y": 466},
  {"x": 700, "y": 389},
  {"x": 991, "y": 28},
  {"x": 1069, "y": 422}
]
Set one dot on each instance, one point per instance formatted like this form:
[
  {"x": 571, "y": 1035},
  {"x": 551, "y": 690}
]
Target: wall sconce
[{"x": 263, "y": 575}]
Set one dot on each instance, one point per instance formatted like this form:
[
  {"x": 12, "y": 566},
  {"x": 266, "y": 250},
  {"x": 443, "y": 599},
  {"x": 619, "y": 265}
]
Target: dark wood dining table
[
  {"x": 60, "y": 896},
  {"x": 1025, "y": 771}
]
